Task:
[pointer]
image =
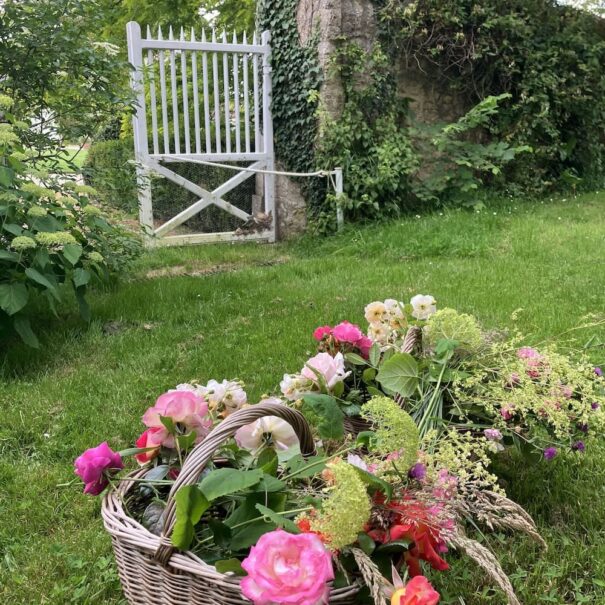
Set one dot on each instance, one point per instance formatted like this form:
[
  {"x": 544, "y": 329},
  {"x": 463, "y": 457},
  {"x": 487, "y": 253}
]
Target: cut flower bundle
[{"x": 366, "y": 467}]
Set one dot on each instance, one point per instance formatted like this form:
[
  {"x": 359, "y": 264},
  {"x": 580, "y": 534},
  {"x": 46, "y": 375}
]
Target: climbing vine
[{"x": 296, "y": 76}]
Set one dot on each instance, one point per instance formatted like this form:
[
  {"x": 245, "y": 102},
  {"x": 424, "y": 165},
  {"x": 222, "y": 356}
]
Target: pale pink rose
[
  {"x": 332, "y": 369},
  {"x": 347, "y": 332},
  {"x": 288, "y": 569},
  {"x": 322, "y": 331},
  {"x": 423, "y": 306},
  {"x": 185, "y": 408},
  {"x": 269, "y": 431}
]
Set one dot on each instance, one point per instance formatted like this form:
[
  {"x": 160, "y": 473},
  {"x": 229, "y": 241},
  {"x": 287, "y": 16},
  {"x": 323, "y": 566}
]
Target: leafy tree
[{"x": 61, "y": 79}]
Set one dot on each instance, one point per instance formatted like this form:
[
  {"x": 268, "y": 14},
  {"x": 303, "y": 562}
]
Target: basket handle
[{"x": 203, "y": 452}]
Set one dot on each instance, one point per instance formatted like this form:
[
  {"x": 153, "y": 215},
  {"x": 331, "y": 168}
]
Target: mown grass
[{"x": 247, "y": 311}]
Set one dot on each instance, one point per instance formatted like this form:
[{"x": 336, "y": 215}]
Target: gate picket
[{"x": 232, "y": 91}]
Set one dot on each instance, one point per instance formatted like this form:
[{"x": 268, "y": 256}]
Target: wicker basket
[{"x": 151, "y": 571}]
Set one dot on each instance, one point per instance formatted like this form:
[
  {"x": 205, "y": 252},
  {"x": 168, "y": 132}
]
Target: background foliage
[{"x": 547, "y": 56}]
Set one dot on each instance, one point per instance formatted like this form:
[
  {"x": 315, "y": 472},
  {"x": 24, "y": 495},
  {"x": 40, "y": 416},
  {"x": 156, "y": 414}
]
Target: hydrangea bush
[
  {"x": 381, "y": 499},
  {"x": 51, "y": 236}
]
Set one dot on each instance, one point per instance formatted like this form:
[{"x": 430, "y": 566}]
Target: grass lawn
[
  {"x": 248, "y": 312},
  {"x": 70, "y": 161}
]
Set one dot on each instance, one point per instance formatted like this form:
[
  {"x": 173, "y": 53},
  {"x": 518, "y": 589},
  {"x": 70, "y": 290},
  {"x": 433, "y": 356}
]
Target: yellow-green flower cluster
[
  {"x": 38, "y": 191},
  {"x": 451, "y": 325},
  {"x": 58, "y": 238},
  {"x": 6, "y": 102},
  {"x": 464, "y": 455},
  {"x": 22, "y": 242},
  {"x": 347, "y": 508},
  {"x": 92, "y": 210},
  {"x": 7, "y": 135},
  {"x": 85, "y": 189},
  {"x": 95, "y": 257},
  {"x": 395, "y": 430},
  {"x": 37, "y": 211}
]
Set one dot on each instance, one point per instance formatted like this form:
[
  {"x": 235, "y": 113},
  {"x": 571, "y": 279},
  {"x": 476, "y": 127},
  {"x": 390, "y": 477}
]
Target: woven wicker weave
[{"x": 151, "y": 571}]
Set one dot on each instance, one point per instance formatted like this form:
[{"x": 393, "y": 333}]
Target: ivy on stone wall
[
  {"x": 550, "y": 58},
  {"x": 296, "y": 77}
]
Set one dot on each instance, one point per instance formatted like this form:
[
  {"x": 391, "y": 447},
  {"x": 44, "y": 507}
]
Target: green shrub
[
  {"x": 51, "y": 237},
  {"x": 109, "y": 170}
]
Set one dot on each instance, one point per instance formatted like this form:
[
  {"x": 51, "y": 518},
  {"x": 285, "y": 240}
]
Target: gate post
[
  {"x": 268, "y": 134},
  {"x": 139, "y": 126}
]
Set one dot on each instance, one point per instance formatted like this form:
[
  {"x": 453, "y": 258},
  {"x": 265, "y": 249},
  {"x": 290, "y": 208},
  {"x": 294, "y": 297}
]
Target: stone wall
[{"x": 331, "y": 21}]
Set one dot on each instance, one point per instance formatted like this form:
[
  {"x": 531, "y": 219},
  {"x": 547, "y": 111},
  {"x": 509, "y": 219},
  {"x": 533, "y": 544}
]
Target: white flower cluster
[
  {"x": 388, "y": 320},
  {"x": 223, "y": 398}
]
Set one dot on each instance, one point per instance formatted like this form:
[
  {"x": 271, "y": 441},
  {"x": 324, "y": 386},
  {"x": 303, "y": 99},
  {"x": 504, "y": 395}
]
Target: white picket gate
[{"x": 204, "y": 102}]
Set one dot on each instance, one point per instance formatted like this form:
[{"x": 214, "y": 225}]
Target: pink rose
[
  {"x": 528, "y": 353},
  {"x": 289, "y": 569},
  {"x": 332, "y": 369},
  {"x": 347, "y": 332},
  {"x": 144, "y": 441},
  {"x": 321, "y": 332},
  {"x": 185, "y": 408},
  {"x": 94, "y": 466},
  {"x": 364, "y": 344}
]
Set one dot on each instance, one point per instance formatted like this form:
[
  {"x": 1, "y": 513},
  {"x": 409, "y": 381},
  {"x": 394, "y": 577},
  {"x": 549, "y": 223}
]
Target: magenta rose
[
  {"x": 186, "y": 409},
  {"x": 322, "y": 331},
  {"x": 289, "y": 569},
  {"x": 347, "y": 332},
  {"x": 95, "y": 466}
]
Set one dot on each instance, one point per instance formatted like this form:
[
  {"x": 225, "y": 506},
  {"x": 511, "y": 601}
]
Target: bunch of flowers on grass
[{"x": 369, "y": 466}]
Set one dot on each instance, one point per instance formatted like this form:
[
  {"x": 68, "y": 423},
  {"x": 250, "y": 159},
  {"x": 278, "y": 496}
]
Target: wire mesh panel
[{"x": 202, "y": 101}]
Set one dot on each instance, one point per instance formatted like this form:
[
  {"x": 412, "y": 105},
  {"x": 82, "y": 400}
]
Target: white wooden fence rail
[{"x": 205, "y": 101}]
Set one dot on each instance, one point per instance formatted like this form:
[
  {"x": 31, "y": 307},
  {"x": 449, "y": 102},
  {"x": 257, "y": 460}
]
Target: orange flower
[{"x": 418, "y": 591}]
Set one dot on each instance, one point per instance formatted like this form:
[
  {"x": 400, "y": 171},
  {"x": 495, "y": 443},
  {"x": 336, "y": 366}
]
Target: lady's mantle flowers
[
  {"x": 287, "y": 568},
  {"x": 94, "y": 467}
]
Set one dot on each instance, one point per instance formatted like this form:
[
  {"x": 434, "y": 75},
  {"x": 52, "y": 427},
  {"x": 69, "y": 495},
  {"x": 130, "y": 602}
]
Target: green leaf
[
  {"x": 279, "y": 520},
  {"x": 191, "y": 504},
  {"x": 42, "y": 279},
  {"x": 72, "y": 253},
  {"x": 269, "y": 483},
  {"x": 304, "y": 468},
  {"x": 82, "y": 304},
  {"x": 393, "y": 547},
  {"x": 186, "y": 441},
  {"x": 399, "y": 374},
  {"x": 366, "y": 543},
  {"x": 7, "y": 176},
  {"x": 249, "y": 535},
  {"x": 24, "y": 329},
  {"x": 368, "y": 375},
  {"x": 9, "y": 256},
  {"x": 356, "y": 360},
  {"x": 168, "y": 422},
  {"x": 220, "y": 532},
  {"x": 375, "y": 482},
  {"x": 268, "y": 461},
  {"x": 230, "y": 565},
  {"x": 13, "y": 228},
  {"x": 375, "y": 354},
  {"x": 13, "y": 297},
  {"x": 81, "y": 277},
  {"x": 225, "y": 481},
  {"x": 323, "y": 412}
]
